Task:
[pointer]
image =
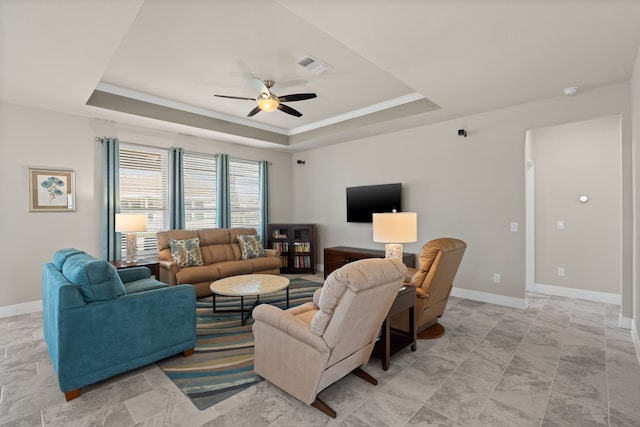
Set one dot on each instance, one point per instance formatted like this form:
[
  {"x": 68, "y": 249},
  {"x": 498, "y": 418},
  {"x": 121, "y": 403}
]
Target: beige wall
[
  {"x": 471, "y": 188},
  {"x": 635, "y": 111},
  {"x": 32, "y": 137},
  {"x": 570, "y": 160}
]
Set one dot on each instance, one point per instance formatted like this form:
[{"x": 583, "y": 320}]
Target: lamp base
[
  {"x": 393, "y": 250},
  {"x": 132, "y": 247}
]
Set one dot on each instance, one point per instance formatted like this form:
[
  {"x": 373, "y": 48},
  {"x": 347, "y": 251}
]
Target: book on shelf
[
  {"x": 280, "y": 246},
  {"x": 302, "y": 261}
]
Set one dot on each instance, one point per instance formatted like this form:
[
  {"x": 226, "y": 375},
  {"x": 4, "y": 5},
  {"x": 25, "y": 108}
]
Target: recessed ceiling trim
[
  {"x": 401, "y": 100},
  {"x": 152, "y": 99}
]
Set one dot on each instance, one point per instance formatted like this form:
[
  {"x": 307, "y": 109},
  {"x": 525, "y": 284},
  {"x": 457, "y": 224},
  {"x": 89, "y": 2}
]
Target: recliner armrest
[
  {"x": 289, "y": 325},
  {"x": 421, "y": 293}
]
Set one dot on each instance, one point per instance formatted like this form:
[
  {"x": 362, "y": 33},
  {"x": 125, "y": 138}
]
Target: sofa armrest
[
  {"x": 289, "y": 325},
  {"x": 135, "y": 273},
  {"x": 103, "y": 338},
  {"x": 271, "y": 252},
  {"x": 168, "y": 271}
]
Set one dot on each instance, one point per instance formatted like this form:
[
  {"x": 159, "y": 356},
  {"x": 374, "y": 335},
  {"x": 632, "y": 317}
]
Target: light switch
[
  {"x": 560, "y": 224},
  {"x": 514, "y": 227}
]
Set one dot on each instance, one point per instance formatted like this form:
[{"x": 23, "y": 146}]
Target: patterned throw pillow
[
  {"x": 250, "y": 246},
  {"x": 186, "y": 253}
]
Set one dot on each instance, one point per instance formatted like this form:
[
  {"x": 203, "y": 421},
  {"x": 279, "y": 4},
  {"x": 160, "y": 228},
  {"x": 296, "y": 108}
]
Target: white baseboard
[
  {"x": 577, "y": 293},
  {"x": 18, "y": 309},
  {"x": 490, "y": 298},
  {"x": 625, "y": 322}
]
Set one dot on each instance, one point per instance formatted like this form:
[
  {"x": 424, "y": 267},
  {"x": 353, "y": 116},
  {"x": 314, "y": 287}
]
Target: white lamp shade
[
  {"x": 131, "y": 223},
  {"x": 399, "y": 227}
]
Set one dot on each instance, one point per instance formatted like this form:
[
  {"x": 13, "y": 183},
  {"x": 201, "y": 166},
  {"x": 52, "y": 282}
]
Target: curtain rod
[{"x": 98, "y": 139}]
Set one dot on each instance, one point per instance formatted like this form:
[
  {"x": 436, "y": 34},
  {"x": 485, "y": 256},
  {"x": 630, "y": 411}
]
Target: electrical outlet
[
  {"x": 514, "y": 227},
  {"x": 560, "y": 271},
  {"x": 496, "y": 277}
]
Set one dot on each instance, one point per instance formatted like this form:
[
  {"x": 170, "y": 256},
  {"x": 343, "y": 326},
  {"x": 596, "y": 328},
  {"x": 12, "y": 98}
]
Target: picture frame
[{"x": 52, "y": 190}]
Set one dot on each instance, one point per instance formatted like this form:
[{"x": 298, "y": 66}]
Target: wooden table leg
[
  {"x": 412, "y": 327},
  {"x": 386, "y": 341}
]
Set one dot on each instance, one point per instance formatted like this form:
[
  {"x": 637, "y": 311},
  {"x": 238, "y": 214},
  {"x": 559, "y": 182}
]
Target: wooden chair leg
[
  {"x": 187, "y": 353},
  {"x": 359, "y": 372},
  {"x": 69, "y": 395},
  {"x": 320, "y": 405}
]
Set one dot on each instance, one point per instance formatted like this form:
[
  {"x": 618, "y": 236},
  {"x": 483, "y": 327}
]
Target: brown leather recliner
[{"x": 433, "y": 279}]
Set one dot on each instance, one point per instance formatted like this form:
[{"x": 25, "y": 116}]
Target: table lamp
[
  {"x": 131, "y": 224},
  {"x": 394, "y": 229}
]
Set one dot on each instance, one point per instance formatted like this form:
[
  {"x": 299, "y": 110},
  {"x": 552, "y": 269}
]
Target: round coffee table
[{"x": 248, "y": 285}]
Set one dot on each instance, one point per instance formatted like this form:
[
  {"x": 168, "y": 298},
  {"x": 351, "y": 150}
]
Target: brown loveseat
[{"x": 221, "y": 257}]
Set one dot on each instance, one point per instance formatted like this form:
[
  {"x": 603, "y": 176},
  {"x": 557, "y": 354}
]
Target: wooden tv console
[{"x": 338, "y": 256}]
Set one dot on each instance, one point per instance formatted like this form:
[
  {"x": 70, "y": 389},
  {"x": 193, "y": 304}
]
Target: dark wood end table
[
  {"x": 151, "y": 264},
  {"x": 392, "y": 340}
]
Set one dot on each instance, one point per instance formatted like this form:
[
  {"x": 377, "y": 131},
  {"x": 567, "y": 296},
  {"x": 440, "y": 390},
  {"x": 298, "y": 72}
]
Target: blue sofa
[{"x": 100, "y": 322}]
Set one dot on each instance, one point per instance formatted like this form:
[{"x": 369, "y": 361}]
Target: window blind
[
  {"x": 199, "y": 190},
  {"x": 143, "y": 189},
  {"x": 244, "y": 180}
]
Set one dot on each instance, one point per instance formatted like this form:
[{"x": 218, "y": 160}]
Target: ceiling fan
[{"x": 268, "y": 101}]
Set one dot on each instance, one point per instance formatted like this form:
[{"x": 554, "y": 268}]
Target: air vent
[{"x": 314, "y": 65}]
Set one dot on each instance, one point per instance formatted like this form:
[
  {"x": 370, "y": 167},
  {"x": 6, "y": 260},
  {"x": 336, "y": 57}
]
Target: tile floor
[{"x": 561, "y": 362}]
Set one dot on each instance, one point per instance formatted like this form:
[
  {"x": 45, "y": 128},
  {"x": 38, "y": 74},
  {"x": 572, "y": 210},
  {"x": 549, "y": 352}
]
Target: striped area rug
[{"x": 222, "y": 363}]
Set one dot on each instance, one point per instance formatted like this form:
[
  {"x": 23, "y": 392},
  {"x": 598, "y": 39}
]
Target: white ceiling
[{"x": 158, "y": 63}]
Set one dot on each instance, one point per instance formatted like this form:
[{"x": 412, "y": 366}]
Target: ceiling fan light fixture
[{"x": 268, "y": 102}]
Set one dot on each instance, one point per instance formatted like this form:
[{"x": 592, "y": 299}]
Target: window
[
  {"x": 199, "y": 191},
  {"x": 143, "y": 189},
  {"x": 244, "y": 181}
]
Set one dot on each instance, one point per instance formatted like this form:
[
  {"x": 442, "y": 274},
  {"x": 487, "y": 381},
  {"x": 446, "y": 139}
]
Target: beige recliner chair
[
  {"x": 305, "y": 349},
  {"x": 433, "y": 279}
]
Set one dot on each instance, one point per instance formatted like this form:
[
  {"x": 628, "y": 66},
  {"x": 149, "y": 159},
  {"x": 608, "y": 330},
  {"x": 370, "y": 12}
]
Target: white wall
[
  {"x": 571, "y": 160},
  {"x": 32, "y": 137},
  {"x": 470, "y": 188}
]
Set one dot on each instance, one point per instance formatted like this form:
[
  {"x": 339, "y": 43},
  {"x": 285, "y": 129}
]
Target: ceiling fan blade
[
  {"x": 289, "y": 110},
  {"x": 296, "y": 97},
  {"x": 259, "y": 84},
  {"x": 235, "y": 97},
  {"x": 254, "y": 111}
]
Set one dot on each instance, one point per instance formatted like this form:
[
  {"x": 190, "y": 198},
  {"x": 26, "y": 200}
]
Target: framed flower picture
[{"x": 52, "y": 190}]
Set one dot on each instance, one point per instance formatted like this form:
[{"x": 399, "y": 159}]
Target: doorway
[{"x": 573, "y": 210}]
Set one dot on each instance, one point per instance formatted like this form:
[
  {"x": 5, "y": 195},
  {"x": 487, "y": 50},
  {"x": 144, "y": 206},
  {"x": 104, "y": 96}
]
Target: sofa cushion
[
  {"x": 233, "y": 268},
  {"x": 143, "y": 285},
  {"x": 61, "y": 256},
  {"x": 250, "y": 246},
  {"x": 186, "y": 252},
  {"x": 198, "y": 274},
  {"x": 96, "y": 278}
]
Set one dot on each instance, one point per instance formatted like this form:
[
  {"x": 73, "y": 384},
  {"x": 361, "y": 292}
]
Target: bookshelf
[{"x": 297, "y": 244}]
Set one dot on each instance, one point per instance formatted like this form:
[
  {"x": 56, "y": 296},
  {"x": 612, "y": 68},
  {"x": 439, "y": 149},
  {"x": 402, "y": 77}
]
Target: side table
[
  {"x": 151, "y": 264},
  {"x": 392, "y": 340}
]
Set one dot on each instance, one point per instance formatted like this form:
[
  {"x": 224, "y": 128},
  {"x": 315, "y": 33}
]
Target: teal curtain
[
  {"x": 176, "y": 189},
  {"x": 265, "y": 211},
  {"x": 109, "y": 241},
  {"x": 223, "y": 192}
]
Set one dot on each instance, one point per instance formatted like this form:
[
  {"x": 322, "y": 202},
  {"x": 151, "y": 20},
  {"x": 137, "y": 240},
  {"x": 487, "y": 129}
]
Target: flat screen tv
[{"x": 363, "y": 201}]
